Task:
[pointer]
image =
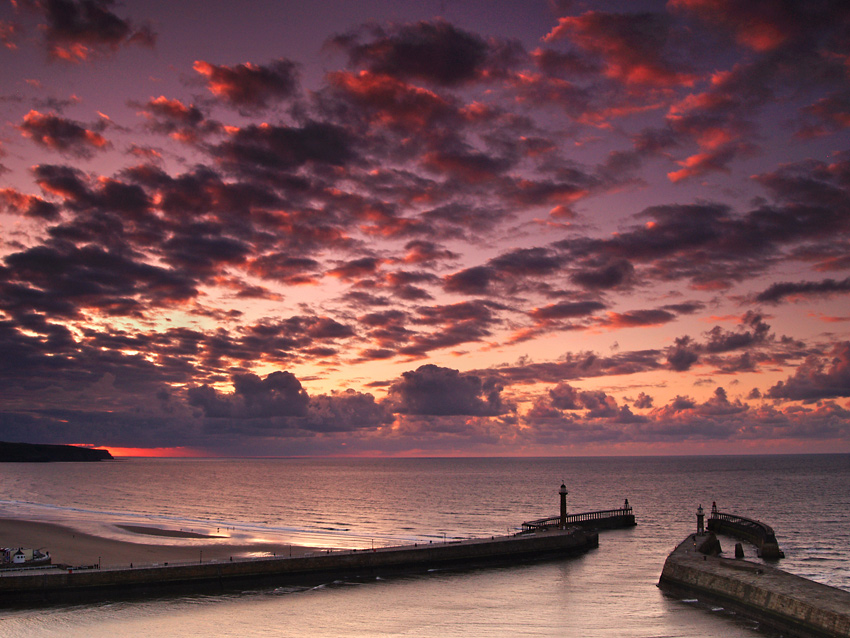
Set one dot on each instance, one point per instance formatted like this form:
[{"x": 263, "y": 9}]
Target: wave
[{"x": 105, "y": 523}]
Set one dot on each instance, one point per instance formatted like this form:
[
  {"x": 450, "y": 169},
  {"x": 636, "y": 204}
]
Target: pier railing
[
  {"x": 759, "y": 534},
  {"x": 621, "y": 517}
]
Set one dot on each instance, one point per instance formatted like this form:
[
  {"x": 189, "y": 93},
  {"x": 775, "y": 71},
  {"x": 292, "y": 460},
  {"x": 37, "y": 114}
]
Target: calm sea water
[{"x": 610, "y": 591}]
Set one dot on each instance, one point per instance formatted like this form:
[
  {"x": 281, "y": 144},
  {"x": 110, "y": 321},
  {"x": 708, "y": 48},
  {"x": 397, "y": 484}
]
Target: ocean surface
[{"x": 359, "y": 503}]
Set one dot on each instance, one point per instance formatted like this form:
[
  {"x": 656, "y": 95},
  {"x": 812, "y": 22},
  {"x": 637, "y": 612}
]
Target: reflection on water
[{"x": 610, "y": 591}]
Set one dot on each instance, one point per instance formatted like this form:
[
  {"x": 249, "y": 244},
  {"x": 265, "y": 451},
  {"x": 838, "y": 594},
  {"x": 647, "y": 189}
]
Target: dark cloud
[
  {"x": 19, "y": 203},
  {"x": 526, "y": 262},
  {"x": 567, "y": 310},
  {"x": 177, "y": 120},
  {"x": 752, "y": 333},
  {"x": 684, "y": 308},
  {"x": 66, "y": 279},
  {"x": 636, "y": 318},
  {"x": 450, "y": 326},
  {"x": 278, "y": 395},
  {"x": 432, "y": 390},
  {"x": 508, "y": 270},
  {"x": 456, "y": 220},
  {"x": 356, "y": 268},
  {"x": 385, "y": 101},
  {"x": 345, "y": 412},
  {"x": 711, "y": 245},
  {"x": 580, "y": 365},
  {"x": 467, "y": 166},
  {"x": 63, "y": 135},
  {"x": 440, "y": 161},
  {"x": 817, "y": 378},
  {"x": 421, "y": 251},
  {"x": 250, "y": 86},
  {"x": 720, "y": 340},
  {"x": 565, "y": 397},
  {"x": 683, "y": 355},
  {"x": 644, "y": 401},
  {"x": 777, "y": 292},
  {"x": 285, "y": 268},
  {"x": 633, "y": 47},
  {"x": 604, "y": 278},
  {"x": 599, "y": 405},
  {"x": 77, "y": 28},
  {"x": 408, "y": 285},
  {"x": 435, "y": 52},
  {"x": 267, "y": 148},
  {"x": 793, "y": 44},
  {"x": 471, "y": 281},
  {"x": 203, "y": 252}
]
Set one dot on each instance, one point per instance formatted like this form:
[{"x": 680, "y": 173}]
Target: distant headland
[{"x": 40, "y": 453}]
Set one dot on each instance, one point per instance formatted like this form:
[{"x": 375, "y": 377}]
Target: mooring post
[{"x": 563, "y": 493}]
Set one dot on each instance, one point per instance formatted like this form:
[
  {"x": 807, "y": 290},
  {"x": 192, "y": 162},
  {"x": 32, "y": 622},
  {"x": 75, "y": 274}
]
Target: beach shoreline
[{"x": 68, "y": 546}]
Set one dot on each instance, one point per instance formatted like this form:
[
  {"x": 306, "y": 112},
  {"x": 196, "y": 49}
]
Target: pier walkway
[
  {"x": 51, "y": 586},
  {"x": 791, "y": 604}
]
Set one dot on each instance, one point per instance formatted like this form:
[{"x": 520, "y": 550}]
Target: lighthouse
[{"x": 563, "y": 493}]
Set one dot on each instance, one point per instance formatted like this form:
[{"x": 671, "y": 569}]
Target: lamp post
[{"x": 562, "y": 524}]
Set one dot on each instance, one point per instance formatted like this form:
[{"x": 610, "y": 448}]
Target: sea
[{"x": 359, "y": 503}]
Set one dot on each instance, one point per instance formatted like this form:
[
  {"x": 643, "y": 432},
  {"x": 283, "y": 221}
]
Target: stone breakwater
[
  {"x": 59, "y": 586},
  {"x": 794, "y": 605}
]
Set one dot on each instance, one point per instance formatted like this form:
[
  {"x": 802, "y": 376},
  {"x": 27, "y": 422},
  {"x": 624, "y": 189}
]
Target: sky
[{"x": 384, "y": 228}]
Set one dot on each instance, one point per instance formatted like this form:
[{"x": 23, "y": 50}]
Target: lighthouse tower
[{"x": 563, "y": 493}]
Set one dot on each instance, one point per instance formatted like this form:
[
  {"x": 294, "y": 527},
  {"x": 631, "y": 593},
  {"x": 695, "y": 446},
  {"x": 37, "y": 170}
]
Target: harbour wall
[
  {"x": 58, "y": 586},
  {"x": 759, "y": 534},
  {"x": 792, "y": 604}
]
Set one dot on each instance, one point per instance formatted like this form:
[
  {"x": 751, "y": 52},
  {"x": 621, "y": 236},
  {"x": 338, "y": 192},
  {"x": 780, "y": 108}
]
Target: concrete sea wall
[
  {"x": 756, "y": 532},
  {"x": 56, "y": 586},
  {"x": 794, "y": 605}
]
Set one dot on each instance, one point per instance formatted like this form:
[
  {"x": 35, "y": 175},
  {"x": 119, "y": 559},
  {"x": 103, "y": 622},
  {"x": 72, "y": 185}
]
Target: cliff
[{"x": 37, "y": 453}]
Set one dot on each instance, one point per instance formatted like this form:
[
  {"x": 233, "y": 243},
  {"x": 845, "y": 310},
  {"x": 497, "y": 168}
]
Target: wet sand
[{"x": 70, "y": 547}]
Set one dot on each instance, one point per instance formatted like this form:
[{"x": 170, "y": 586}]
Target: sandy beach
[{"x": 70, "y": 547}]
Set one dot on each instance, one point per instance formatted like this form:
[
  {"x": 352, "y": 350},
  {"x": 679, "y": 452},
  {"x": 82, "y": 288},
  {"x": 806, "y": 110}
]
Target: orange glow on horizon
[{"x": 165, "y": 452}]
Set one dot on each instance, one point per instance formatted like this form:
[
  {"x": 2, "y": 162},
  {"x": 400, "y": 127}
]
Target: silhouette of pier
[
  {"x": 601, "y": 519},
  {"x": 759, "y": 534}
]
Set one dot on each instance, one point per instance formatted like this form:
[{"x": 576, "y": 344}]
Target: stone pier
[
  {"x": 794, "y": 605},
  {"x": 50, "y": 586}
]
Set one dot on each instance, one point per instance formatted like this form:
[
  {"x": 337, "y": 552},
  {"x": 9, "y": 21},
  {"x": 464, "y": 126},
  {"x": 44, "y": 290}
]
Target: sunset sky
[{"x": 426, "y": 228}]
